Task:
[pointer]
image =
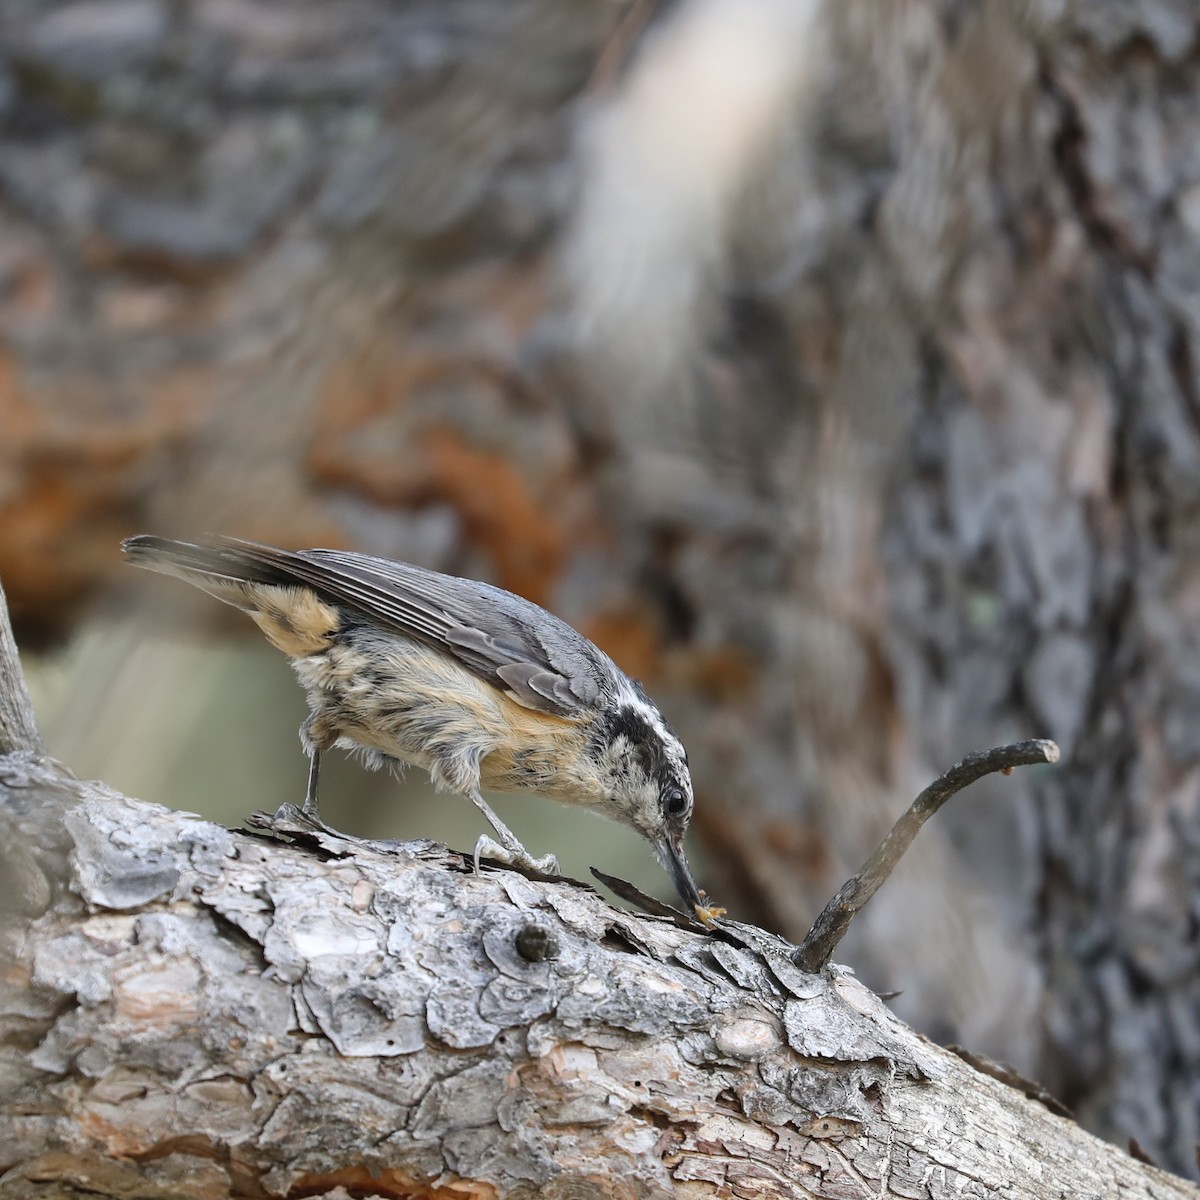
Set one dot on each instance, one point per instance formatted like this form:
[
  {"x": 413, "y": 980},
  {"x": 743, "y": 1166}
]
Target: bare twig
[
  {"x": 821, "y": 940},
  {"x": 18, "y": 725}
]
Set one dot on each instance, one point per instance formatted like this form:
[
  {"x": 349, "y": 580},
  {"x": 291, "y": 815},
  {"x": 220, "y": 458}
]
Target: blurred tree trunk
[
  {"x": 921, "y": 475},
  {"x": 1017, "y": 553},
  {"x": 949, "y": 408}
]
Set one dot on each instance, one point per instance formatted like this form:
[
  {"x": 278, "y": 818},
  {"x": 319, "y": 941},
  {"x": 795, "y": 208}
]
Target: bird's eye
[{"x": 674, "y": 802}]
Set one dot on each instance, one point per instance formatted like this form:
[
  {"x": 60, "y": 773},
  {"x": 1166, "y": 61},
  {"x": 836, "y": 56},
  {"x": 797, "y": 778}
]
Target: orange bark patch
[
  {"x": 632, "y": 639},
  {"x": 362, "y": 388},
  {"x": 92, "y": 1175},
  {"x": 803, "y": 844},
  {"x": 16, "y": 415},
  {"x": 498, "y": 511},
  {"x": 70, "y": 486},
  {"x": 515, "y": 295},
  {"x": 162, "y": 994},
  {"x": 33, "y": 295},
  {"x": 721, "y": 671},
  {"x": 369, "y": 443}
]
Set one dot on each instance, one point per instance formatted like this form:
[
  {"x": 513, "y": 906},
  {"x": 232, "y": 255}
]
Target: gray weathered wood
[
  {"x": 206, "y": 1013},
  {"x": 18, "y": 725}
]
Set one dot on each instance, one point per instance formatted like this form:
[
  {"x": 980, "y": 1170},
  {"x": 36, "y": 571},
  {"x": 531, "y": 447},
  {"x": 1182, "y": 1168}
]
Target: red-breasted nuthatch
[{"x": 481, "y": 688}]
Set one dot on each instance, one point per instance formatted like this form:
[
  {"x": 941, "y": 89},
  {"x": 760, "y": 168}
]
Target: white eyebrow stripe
[{"x": 630, "y": 697}]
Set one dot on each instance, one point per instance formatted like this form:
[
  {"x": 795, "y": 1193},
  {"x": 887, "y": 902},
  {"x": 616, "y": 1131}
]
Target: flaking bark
[{"x": 202, "y": 1012}]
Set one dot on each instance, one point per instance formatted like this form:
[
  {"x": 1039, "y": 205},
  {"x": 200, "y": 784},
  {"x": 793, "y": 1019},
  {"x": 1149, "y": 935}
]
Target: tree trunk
[{"x": 945, "y": 408}]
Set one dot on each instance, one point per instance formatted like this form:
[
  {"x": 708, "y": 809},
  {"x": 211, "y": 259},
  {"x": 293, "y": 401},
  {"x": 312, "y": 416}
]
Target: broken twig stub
[{"x": 828, "y": 929}]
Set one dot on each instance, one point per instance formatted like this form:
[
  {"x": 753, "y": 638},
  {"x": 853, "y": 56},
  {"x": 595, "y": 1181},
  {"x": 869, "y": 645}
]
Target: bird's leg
[
  {"x": 508, "y": 849},
  {"x": 310, "y": 795},
  {"x": 308, "y": 814},
  {"x": 316, "y": 736}
]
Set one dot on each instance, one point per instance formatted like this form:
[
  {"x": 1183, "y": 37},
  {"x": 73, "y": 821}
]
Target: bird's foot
[
  {"x": 305, "y": 816},
  {"x": 515, "y": 855},
  {"x": 289, "y": 821}
]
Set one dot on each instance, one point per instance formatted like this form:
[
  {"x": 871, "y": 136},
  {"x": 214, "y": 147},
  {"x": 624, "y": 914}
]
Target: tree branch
[
  {"x": 828, "y": 929},
  {"x": 274, "y": 1019},
  {"x": 18, "y": 725}
]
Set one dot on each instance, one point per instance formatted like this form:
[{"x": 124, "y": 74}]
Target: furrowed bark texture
[{"x": 201, "y": 1013}]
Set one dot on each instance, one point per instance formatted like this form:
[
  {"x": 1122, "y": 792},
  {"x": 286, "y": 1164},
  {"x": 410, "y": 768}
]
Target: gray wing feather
[
  {"x": 511, "y": 642},
  {"x": 537, "y": 687}
]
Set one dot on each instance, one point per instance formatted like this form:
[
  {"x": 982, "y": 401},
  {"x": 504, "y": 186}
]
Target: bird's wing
[{"x": 510, "y": 642}]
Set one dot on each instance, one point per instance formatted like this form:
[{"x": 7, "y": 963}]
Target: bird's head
[{"x": 645, "y": 778}]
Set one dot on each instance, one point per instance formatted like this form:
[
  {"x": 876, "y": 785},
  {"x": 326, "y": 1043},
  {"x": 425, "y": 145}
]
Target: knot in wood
[{"x": 535, "y": 943}]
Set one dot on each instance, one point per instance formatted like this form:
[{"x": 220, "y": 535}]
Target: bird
[{"x": 476, "y": 685}]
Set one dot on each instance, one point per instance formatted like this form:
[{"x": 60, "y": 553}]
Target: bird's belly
[
  {"x": 541, "y": 753},
  {"x": 526, "y": 768},
  {"x": 404, "y": 701}
]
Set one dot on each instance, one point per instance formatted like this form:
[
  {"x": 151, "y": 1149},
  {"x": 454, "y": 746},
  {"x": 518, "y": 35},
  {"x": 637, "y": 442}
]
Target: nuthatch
[{"x": 479, "y": 687}]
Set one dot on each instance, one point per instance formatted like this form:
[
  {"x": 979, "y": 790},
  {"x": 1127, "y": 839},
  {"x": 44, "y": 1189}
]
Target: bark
[
  {"x": 202, "y": 1013},
  {"x": 947, "y": 398},
  {"x": 18, "y": 725}
]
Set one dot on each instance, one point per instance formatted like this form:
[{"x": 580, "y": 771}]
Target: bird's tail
[
  {"x": 220, "y": 566},
  {"x": 260, "y": 580}
]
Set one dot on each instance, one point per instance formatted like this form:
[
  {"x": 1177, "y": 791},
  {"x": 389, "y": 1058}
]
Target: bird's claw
[{"x": 517, "y": 856}]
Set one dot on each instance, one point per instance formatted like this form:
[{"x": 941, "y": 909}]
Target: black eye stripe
[
  {"x": 644, "y": 743},
  {"x": 645, "y": 756}
]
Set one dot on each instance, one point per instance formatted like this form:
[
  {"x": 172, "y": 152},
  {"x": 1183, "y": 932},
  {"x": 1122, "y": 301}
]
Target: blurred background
[{"x": 833, "y": 365}]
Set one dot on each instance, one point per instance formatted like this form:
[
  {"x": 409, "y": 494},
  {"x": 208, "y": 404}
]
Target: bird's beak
[{"x": 670, "y": 853}]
